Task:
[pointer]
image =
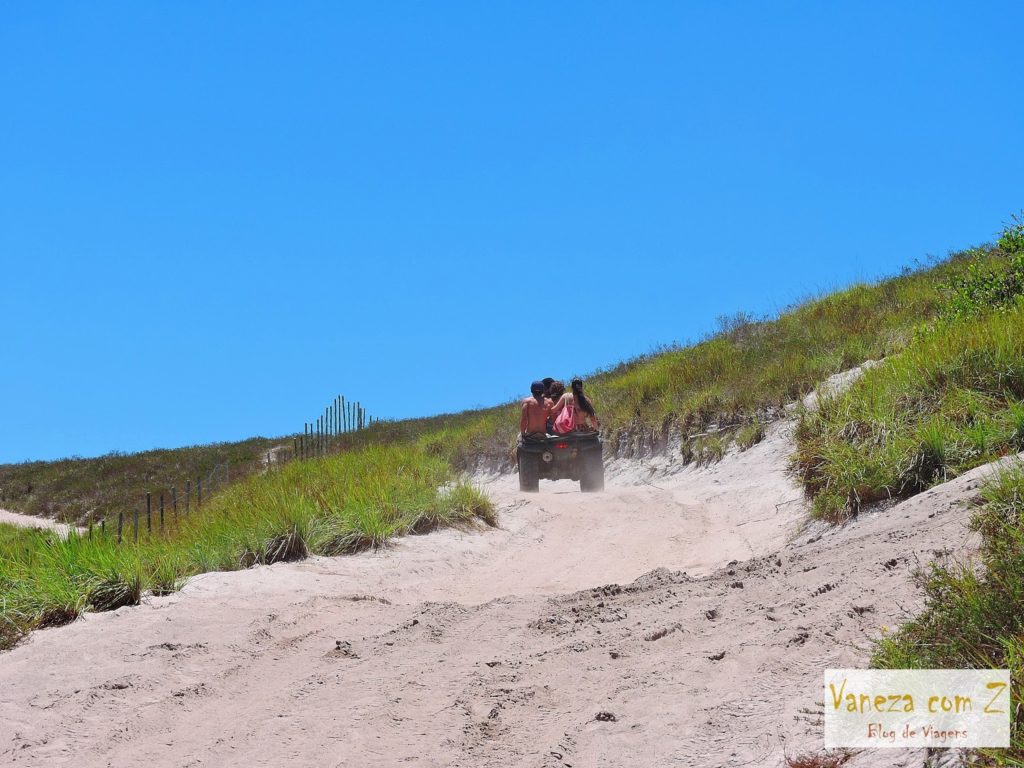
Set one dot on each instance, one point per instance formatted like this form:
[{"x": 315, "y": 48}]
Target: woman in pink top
[{"x": 574, "y": 412}]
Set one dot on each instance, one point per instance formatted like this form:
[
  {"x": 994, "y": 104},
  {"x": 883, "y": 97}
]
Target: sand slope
[
  {"x": 679, "y": 618},
  {"x": 31, "y": 521}
]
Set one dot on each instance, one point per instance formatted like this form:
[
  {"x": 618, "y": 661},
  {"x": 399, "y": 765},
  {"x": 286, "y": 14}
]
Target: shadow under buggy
[{"x": 575, "y": 456}]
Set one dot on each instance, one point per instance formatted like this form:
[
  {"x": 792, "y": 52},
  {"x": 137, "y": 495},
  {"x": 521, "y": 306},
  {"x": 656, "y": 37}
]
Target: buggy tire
[
  {"x": 529, "y": 472},
  {"x": 592, "y": 478}
]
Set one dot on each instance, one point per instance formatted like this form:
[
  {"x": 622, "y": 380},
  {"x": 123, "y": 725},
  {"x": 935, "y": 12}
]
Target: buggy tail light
[{"x": 561, "y": 445}]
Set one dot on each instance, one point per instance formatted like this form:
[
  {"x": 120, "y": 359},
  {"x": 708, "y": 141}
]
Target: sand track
[
  {"x": 679, "y": 618},
  {"x": 31, "y": 521}
]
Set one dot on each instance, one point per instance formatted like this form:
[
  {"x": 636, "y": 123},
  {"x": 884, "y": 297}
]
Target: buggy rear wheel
[
  {"x": 529, "y": 472},
  {"x": 592, "y": 478}
]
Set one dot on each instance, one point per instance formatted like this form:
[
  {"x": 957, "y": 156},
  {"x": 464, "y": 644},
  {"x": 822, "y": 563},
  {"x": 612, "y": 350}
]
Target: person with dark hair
[
  {"x": 554, "y": 393},
  {"x": 533, "y": 419},
  {"x": 574, "y": 412}
]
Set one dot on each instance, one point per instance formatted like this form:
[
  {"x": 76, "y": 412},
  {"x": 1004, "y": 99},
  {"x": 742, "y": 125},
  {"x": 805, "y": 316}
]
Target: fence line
[
  {"x": 324, "y": 435},
  {"x": 215, "y": 479}
]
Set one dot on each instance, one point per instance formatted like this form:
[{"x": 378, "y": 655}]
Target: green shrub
[
  {"x": 750, "y": 435},
  {"x": 983, "y": 287}
]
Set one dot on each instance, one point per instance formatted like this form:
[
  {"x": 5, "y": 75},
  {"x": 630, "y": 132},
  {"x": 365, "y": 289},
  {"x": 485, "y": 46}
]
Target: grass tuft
[
  {"x": 750, "y": 435},
  {"x": 285, "y": 548},
  {"x": 830, "y": 759},
  {"x": 115, "y": 592}
]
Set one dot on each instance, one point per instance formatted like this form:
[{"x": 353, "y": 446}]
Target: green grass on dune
[
  {"x": 952, "y": 399},
  {"x": 335, "y": 505},
  {"x": 753, "y": 365},
  {"x": 80, "y": 490},
  {"x": 732, "y": 382}
]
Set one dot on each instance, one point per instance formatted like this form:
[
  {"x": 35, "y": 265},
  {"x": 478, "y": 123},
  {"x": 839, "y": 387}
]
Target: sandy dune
[
  {"x": 680, "y": 618},
  {"x": 30, "y": 521}
]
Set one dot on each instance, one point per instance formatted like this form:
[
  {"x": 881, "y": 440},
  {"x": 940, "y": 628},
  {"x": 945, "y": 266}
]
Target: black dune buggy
[{"x": 575, "y": 456}]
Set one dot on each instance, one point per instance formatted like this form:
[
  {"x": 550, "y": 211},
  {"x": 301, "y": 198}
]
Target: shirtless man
[{"x": 534, "y": 418}]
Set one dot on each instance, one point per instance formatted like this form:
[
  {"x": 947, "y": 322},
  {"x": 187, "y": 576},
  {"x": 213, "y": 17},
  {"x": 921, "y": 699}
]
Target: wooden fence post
[
  {"x": 103, "y": 528},
  {"x": 90, "y": 530},
  {"x": 135, "y": 519},
  {"x": 174, "y": 502},
  {"x": 120, "y": 525}
]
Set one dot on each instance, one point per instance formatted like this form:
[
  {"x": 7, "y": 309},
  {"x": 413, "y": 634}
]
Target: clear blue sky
[{"x": 214, "y": 217}]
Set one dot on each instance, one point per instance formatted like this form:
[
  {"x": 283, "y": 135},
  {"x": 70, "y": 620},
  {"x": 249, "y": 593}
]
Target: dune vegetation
[
  {"x": 722, "y": 390},
  {"x": 951, "y": 400},
  {"x": 335, "y": 505},
  {"x": 84, "y": 489}
]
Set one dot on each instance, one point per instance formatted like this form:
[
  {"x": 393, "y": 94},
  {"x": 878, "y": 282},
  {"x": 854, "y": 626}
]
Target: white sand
[
  {"x": 501, "y": 647},
  {"x": 30, "y": 521}
]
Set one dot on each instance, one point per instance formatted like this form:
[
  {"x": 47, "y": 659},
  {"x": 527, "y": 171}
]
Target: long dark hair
[{"x": 581, "y": 400}]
